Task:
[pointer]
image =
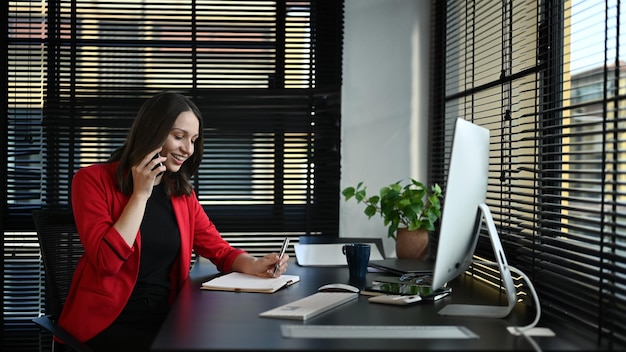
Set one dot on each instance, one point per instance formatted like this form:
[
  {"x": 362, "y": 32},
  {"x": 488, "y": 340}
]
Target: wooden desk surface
[{"x": 213, "y": 320}]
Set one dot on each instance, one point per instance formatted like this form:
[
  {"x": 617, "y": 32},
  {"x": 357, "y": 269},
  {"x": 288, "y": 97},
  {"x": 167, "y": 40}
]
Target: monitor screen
[
  {"x": 464, "y": 210},
  {"x": 466, "y": 188}
]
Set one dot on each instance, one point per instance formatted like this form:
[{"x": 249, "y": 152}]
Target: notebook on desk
[
  {"x": 239, "y": 282},
  {"x": 403, "y": 266}
]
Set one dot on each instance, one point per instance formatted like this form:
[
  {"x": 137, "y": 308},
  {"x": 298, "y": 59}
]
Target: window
[
  {"x": 265, "y": 74},
  {"x": 547, "y": 79}
]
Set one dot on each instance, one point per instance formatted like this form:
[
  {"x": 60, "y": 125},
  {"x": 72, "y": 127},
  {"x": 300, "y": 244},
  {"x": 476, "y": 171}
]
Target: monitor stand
[{"x": 486, "y": 311}]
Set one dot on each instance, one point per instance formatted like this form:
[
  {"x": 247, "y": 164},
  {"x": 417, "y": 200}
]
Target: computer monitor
[{"x": 464, "y": 209}]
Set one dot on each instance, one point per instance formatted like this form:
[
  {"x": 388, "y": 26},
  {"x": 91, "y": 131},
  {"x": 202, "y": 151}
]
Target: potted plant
[{"x": 409, "y": 212}]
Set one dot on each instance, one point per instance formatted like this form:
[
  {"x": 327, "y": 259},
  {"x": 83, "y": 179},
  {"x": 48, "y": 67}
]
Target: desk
[{"x": 214, "y": 320}]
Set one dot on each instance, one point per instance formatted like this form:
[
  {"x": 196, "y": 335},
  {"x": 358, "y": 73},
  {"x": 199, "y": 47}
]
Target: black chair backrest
[{"x": 61, "y": 249}]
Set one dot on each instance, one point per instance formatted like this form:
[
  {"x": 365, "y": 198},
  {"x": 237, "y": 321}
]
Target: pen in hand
[{"x": 283, "y": 248}]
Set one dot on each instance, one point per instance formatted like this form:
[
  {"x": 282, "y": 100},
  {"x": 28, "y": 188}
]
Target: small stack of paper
[{"x": 327, "y": 254}]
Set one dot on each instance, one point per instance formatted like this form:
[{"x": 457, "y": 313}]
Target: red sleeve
[
  {"x": 96, "y": 203},
  {"x": 209, "y": 243}
]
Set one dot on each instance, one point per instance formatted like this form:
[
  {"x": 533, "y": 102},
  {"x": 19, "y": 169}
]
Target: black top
[
  {"x": 148, "y": 305},
  {"x": 160, "y": 244}
]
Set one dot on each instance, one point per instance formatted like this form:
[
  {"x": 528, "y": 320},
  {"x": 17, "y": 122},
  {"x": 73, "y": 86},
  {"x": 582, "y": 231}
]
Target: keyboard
[
  {"x": 377, "y": 332},
  {"x": 310, "y": 306}
]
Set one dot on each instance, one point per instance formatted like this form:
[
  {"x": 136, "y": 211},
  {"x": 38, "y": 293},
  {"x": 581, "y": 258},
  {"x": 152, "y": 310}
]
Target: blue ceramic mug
[{"x": 358, "y": 257}]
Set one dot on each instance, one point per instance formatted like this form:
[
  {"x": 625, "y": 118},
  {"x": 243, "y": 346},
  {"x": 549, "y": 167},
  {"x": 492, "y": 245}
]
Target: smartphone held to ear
[{"x": 157, "y": 155}]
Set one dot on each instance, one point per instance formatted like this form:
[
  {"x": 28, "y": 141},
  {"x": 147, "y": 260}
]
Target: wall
[{"x": 384, "y": 103}]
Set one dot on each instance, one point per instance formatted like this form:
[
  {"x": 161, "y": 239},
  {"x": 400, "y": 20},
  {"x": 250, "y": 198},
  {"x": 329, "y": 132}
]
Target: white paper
[{"x": 327, "y": 254}]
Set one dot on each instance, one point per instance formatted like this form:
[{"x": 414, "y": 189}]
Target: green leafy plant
[{"x": 413, "y": 205}]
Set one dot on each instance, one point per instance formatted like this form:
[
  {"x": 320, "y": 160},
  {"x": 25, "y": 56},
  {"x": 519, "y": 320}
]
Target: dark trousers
[{"x": 135, "y": 328}]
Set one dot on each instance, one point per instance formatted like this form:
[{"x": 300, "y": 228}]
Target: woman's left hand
[
  {"x": 262, "y": 267},
  {"x": 266, "y": 265}
]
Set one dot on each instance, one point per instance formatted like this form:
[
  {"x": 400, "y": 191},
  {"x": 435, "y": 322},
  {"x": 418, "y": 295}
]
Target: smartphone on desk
[{"x": 438, "y": 294}]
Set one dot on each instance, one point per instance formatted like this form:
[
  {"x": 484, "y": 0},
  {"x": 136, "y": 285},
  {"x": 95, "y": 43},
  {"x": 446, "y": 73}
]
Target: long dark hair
[{"x": 148, "y": 132}]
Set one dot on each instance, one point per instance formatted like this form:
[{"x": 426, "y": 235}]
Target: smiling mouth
[{"x": 179, "y": 158}]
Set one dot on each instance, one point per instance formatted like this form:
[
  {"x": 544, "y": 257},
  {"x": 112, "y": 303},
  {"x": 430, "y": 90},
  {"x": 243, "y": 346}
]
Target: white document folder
[{"x": 327, "y": 254}]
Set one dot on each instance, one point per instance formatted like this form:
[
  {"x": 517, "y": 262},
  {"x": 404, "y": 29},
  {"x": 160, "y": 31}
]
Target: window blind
[
  {"x": 266, "y": 76},
  {"x": 547, "y": 79}
]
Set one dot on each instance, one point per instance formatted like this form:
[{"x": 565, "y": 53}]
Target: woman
[{"x": 139, "y": 219}]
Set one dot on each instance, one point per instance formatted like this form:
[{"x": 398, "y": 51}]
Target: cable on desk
[
  {"x": 516, "y": 330},
  {"x": 523, "y": 330},
  {"x": 520, "y": 329}
]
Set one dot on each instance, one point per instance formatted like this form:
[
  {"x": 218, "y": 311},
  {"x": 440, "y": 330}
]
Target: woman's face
[{"x": 179, "y": 145}]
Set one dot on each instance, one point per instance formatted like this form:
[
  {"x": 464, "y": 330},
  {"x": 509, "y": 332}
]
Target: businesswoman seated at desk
[{"x": 139, "y": 219}]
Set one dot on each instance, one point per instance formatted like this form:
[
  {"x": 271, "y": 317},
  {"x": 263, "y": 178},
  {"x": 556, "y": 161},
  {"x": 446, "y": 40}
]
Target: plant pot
[{"x": 412, "y": 244}]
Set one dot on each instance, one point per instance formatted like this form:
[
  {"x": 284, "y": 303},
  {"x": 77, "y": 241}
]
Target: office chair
[{"x": 60, "y": 249}]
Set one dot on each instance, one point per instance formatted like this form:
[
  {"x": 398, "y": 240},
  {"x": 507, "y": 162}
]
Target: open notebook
[{"x": 239, "y": 282}]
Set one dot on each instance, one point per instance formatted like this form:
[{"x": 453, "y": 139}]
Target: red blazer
[{"x": 107, "y": 272}]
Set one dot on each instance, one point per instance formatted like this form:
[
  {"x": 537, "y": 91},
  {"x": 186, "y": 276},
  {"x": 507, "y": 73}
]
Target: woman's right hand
[
  {"x": 145, "y": 173},
  {"x": 144, "y": 178}
]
